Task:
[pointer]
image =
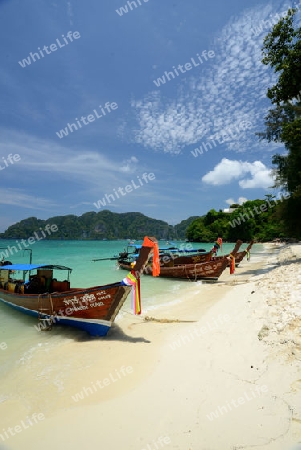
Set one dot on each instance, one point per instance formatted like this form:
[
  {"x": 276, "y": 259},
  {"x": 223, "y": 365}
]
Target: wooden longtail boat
[
  {"x": 131, "y": 253},
  {"x": 240, "y": 255},
  {"x": 187, "y": 259},
  {"x": 179, "y": 255},
  {"x": 91, "y": 309},
  {"x": 210, "y": 270},
  {"x": 206, "y": 257}
]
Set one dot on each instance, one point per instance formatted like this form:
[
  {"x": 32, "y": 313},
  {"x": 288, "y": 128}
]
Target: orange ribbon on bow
[{"x": 156, "y": 261}]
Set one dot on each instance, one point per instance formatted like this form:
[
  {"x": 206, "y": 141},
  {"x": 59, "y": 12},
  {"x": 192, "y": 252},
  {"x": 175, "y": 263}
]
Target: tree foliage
[
  {"x": 282, "y": 52},
  {"x": 246, "y": 222}
]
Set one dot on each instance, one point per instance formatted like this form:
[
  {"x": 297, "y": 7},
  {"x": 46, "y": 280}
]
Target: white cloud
[
  {"x": 261, "y": 179},
  {"x": 230, "y": 90},
  {"x": 230, "y": 201},
  {"x": 46, "y": 157},
  {"x": 228, "y": 170},
  {"x": 129, "y": 165},
  {"x": 240, "y": 201},
  {"x": 16, "y": 197}
]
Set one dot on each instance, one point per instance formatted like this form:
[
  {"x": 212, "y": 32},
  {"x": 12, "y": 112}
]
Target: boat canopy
[
  {"x": 27, "y": 267},
  {"x": 138, "y": 247}
]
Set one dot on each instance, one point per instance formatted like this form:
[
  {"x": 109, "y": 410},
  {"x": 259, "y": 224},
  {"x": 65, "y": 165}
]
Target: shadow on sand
[{"x": 114, "y": 334}]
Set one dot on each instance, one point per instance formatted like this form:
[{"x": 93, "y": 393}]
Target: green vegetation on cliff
[
  {"x": 102, "y": 225},
  {"x": 255, "y": 219}
]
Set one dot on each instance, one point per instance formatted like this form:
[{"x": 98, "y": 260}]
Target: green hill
[
  {"x": 102, "y": 225},
  {"x": 256, "y": 219}
]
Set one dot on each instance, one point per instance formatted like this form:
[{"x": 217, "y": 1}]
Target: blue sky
[{"x": 113, "y": 58}]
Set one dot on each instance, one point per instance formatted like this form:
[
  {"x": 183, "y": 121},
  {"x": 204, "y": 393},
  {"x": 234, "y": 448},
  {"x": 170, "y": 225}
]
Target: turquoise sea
[
  {"x": 17, "y": 330},
  {"x": 79, "y": 255}
]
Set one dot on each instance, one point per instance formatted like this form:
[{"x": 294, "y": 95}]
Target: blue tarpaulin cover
[{"x": 26, "y": 267}]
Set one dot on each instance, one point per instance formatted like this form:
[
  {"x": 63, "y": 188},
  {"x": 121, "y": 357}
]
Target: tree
[
  {"x": 282, "y": 52},
  {"x": 246, "y": 222}
]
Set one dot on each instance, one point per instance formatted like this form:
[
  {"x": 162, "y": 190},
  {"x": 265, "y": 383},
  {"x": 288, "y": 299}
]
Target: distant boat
[
  {"x": 91, "y": 309},
  {"x": 208, "y": 256},
  {"x": 210, "y": 270},
  {"x": 130, "y": 255}
]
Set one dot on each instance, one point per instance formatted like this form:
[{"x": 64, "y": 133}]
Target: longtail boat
[
  {"x": 210, "y": 270},
  {"x": 178, "y": 255},
  {"x": 131, "y": 253},
  {"x": 240, "y": 255},
  {"x": 92, "y": 309},
  {"x": 208, "y": 256}
]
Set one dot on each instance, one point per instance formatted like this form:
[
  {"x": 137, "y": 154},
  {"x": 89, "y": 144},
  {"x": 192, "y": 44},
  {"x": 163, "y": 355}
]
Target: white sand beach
[{"x": 219, "y": 370}]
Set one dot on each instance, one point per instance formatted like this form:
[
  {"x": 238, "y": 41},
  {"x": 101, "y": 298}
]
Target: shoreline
[{"x": 187, "y": 364}]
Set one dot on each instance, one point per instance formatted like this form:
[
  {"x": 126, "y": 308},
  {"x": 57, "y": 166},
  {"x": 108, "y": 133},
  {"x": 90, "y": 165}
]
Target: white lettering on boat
[
  {"x": 90, "y": 301},
  {"x": 104, "y": 297},
  {"x": 100, "y": 293},
  {"x": 79, "y": 308},
  {"x": 88, "y": 298},
  {"x": 93, "y": 305},
  {"x": 83, "y": 299}
]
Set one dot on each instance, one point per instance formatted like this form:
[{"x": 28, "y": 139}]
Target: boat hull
[
  {"x": 92, "y": 310},
  {"x": 211, "y": 270}
]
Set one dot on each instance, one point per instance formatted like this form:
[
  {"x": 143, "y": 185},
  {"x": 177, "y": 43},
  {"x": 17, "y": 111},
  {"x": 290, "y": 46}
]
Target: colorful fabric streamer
[
  {"x": 220, "y": 243},
  {"x": 217, "y": 245},
  {"x": 131, "y": 280}
]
